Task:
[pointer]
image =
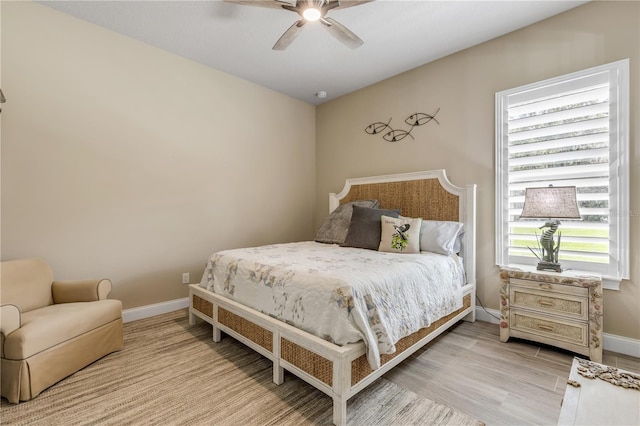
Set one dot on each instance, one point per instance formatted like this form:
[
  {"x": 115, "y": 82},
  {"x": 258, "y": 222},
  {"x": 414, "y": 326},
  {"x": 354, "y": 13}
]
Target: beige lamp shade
[{"x": 550, "y": 202}]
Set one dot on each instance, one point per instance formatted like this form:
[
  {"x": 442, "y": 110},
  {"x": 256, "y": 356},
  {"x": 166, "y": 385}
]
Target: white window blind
[{"x": 567, "y": 131}]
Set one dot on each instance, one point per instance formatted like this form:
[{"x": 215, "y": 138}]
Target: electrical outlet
[{"x": 185, "y": 278}]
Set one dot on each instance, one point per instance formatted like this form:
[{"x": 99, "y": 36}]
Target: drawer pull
[
  {"x": 545, "y": 327},
  {"x": 545, "y": 286},
  {"x": 547, "y": 303}
]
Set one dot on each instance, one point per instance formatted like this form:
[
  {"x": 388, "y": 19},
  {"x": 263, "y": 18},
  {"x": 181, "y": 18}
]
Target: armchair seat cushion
[{"x": 51, "y": 325}]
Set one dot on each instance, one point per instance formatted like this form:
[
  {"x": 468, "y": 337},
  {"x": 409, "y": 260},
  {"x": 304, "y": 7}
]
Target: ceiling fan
[{"x": 310, "y": 11}]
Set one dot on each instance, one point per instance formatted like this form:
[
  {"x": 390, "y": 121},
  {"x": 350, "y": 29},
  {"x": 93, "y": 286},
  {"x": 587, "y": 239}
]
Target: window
[{"x": 567, "y": 131}]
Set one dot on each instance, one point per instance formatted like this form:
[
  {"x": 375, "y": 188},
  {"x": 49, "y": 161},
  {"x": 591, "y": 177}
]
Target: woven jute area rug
[{"x": 170, "y": 373}]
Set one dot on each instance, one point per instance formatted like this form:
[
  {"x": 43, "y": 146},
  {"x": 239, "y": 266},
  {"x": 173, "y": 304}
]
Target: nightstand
[{"x": 562, "y": 309}]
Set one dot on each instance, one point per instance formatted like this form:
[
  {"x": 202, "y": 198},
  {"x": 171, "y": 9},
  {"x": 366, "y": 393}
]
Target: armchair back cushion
[{"x": 30, "y": 284}]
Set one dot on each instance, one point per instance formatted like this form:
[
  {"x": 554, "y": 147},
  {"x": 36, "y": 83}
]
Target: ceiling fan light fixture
[
  {"x": 310, "y": 11},
  {"x": 311, "y": 14}
]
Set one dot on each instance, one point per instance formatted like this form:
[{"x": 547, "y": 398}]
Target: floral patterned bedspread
[{"x": 341, "y": 294}]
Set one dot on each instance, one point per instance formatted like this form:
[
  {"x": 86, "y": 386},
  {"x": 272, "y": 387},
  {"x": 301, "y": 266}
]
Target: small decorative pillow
[
  {"x": 400, "y": 235},
  {"x": 365, "y": 227},
  {"x": 335, "y": 227},
  {"x": 440, "y": 236}
]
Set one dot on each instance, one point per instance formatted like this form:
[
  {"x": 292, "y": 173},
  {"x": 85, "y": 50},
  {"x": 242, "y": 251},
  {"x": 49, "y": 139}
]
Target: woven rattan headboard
[
  {"x": 425, "y": 198},
  {"x": 429, "y": 195}
]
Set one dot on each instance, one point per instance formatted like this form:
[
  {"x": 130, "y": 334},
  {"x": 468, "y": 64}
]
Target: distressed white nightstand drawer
[
  {"x": 550, "y": 327},
  {"x": 567, "y": 305},
  {"x": 547, "y": 286}
]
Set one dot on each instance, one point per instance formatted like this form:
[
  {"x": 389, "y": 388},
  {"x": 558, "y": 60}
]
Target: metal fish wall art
[{"x": 390, "y": 134}]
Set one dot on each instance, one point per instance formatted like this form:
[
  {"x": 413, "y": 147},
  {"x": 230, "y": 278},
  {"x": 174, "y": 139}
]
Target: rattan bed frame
[{"x": 343, "y": 371}]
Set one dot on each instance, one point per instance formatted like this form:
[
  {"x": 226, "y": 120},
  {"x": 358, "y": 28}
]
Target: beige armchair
[{"x": 51, "y": 329}]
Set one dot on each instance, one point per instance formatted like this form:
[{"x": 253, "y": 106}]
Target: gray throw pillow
[
  {"x": 334, "y": 228},
  {"x": 365, "y": 228}
]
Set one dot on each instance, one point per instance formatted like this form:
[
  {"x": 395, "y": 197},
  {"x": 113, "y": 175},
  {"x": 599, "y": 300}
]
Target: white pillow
[
  {"x": 400, "y": 235},
  {"x": 440, "y": 236}
]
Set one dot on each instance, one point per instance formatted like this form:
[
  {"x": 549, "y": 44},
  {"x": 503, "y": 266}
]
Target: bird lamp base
[{"x": 549, "y": 266}]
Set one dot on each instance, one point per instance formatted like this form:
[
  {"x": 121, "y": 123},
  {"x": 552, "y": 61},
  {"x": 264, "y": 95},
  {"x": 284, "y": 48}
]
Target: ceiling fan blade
[
  {"x": 272, "y": 4},
  {"x": 342, "y": 33},
  {"x": 328, "y": 6},
  {"x": 349, "y": 3},
  {"x": 285, "y": 39}
]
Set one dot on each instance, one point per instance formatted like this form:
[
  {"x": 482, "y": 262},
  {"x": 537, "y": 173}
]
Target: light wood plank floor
[{"x": 513, "y": 383}]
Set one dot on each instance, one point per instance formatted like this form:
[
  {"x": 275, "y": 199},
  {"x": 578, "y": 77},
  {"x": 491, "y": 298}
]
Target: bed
[{"x": 342, "y": 370}]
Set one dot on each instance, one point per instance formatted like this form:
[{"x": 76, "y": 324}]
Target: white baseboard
[
  {"x": 148, "y": 311},
  {"x": 611, "y": 342},
  {"x": 488, "y": 315},
  {"x": 622, "y": 345}
]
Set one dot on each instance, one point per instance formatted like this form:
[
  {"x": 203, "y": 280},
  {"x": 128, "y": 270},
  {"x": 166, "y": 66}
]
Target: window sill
[{"x": 611, "y": 283}]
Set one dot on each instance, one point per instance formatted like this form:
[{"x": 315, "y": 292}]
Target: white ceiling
[{"x": 237, "y": 39}]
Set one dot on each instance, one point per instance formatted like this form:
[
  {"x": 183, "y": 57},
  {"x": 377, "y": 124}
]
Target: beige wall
[
  {"x": 126, "y": 161},
  {"x": 463, "y": 85}
]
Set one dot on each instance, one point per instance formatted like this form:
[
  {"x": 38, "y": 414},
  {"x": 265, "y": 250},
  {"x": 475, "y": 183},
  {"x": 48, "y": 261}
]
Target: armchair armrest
[
  {"x": 80, "y": 291},
  {"x": 9, "y": 319}
]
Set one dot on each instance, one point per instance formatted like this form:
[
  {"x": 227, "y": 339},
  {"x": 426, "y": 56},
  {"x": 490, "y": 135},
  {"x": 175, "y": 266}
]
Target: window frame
[{"x": 619, "y": 165}]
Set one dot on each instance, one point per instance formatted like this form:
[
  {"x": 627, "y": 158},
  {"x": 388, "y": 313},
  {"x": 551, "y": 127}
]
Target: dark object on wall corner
[
  {"x": 2, "y": 99},
  {"x": 395, "y": 135}
]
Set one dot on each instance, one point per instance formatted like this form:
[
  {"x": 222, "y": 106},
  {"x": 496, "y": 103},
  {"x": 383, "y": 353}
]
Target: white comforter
[{"x": 341, "y": 294}]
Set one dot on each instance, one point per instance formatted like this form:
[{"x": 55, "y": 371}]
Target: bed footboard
[{"x": 338, "y": 371}]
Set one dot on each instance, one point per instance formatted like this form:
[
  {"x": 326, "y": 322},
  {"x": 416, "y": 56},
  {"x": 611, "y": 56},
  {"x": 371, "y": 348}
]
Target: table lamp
[{"x": 550, "y": 203}]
